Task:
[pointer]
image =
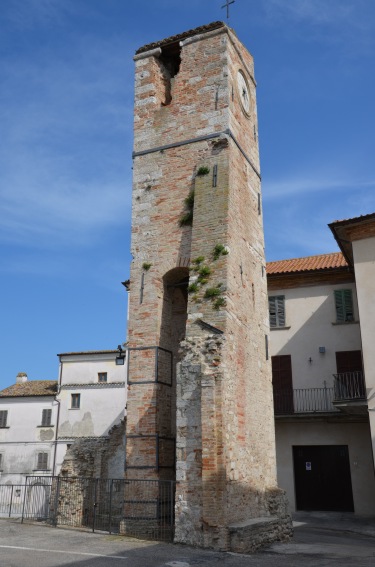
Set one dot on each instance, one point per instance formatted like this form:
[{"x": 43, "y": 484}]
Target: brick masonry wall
[{"x": 225, "y": 445}]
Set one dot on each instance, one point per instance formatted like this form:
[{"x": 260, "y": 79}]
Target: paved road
[{"x": 315, "y": 544}]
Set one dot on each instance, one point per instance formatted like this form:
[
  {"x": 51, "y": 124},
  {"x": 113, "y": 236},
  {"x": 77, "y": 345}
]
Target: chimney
[{"x": 21, "y": 377}]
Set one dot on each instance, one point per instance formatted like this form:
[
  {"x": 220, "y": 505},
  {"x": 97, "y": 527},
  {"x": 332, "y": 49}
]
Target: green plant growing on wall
[
  {"x": 146, "y": 266},
  {"x": 186, "y": 219},
  {"x": 193, "y": 287},
  {"x": 212, "y": 292},
  {"x": 204, "y": 271},
  {"x": 219, "y": 250},
  {"x": 196, "y": 263},
  {"x": 219, "y": 302},
  {"x": 203, "y": 170}
]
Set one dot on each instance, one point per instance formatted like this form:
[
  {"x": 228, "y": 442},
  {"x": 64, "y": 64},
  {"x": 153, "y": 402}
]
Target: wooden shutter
[
  {"x": 46, "y": 417},
  {"x": 282, "y": 384},
  {"x": 272, "y": 310},
  {"x": 76, "y": 401},
  {"x": 344, "y": 305},
  {"x": 282, "y": 371},
  {"x": 276, "y": 305},
  {"x": 280, "y": 311},
  {"x": 42, "y": 461},
  {"x": 3, "y": 418}
]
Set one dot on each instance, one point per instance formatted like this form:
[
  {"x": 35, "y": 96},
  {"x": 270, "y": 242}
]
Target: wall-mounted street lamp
[{"x": 120, "y": 358}]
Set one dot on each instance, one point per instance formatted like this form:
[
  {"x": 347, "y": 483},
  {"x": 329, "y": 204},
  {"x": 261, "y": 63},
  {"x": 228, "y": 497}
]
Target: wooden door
[
  {"x": 282, "y": 384},
  {"x": 349, "y": 361},
  {"x": 322, "y": 478}
]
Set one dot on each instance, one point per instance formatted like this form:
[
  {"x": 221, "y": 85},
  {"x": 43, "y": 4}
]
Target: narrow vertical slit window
[{"x": 214, "y": 176}]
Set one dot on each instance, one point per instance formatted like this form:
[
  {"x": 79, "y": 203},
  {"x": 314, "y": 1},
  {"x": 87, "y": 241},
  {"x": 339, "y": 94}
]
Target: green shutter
[
  {"x": 348, "y": 305},
  {"x": 344, "y": 305}
]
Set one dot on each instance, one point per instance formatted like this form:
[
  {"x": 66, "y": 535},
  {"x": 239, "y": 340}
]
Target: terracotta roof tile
[
  {"x": 181, "y": 36},
  {"x": 369, "y": 216},
  {"x": 83, "y": 352},
  {"x": 30, "y": 388},
  {"x": 307, "y": 264}
]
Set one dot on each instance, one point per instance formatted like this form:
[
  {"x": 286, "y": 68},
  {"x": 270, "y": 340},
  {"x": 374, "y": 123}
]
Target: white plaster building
[
  {"x": 28, "y": 416},
  {"x": 322, "y": 324},
  {"x": 41, "y": 419},
  {"x": 91, "y": 396}
]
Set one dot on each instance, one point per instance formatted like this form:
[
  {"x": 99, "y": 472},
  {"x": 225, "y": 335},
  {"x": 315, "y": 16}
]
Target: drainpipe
[{"x": 58, "y": 418}]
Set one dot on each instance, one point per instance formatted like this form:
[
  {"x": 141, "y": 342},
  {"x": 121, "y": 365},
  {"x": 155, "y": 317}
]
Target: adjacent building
[
  {"x": 321, "y": 310},
  {"x": 92, "y": 405},
  {"x": 28, "y": 417},
  {"x": 41, "y": 420}
]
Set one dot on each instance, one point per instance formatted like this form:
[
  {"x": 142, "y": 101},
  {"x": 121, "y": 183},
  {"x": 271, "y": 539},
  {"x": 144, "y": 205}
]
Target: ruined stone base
[
  {"x": 247, "y": 537},
  {"x": 273, "y": 523}
]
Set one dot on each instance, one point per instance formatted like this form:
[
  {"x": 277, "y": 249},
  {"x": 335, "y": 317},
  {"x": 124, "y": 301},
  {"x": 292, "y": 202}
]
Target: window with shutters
[
  {"x": 42, "y": 463},
  {"x": 344, "y": 305},
  {"x": 75, "y": 401},
  {"x": 46, "y": 417},
  {"x": 3, "y": 418},
  {"x": 102, "y": 377},
  {"x": 276, "y": 304}
]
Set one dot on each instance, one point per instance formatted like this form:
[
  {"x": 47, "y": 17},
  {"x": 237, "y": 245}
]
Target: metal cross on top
[{"x": 228, "y": 3}]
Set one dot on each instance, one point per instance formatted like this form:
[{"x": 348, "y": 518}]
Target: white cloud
[
  {"x": 25, "y": 14},
  {"x": 347, "y": 22},
  {"x": 313, "y": 11},
  {"x": 306, "y": 185},
  {"x": 65, "y": 152}
]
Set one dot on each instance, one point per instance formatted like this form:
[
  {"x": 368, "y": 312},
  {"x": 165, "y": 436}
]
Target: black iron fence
[
  {"x": 137, "y": 508},
  {"x": 349, "y": 386},
  {"x": 11, "y": 500},
  {"x": 289, "y": 401}
]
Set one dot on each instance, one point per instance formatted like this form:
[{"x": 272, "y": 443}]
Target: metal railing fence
[
  {"x": 11, "y": 500},
  {"x": 303, "y": 400},
  {"x": 137, "y": 508},
  {"x": 349, "y": 386}
]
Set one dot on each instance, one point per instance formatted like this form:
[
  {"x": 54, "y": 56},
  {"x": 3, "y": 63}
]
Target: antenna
[{"x": 226, "y": 5}]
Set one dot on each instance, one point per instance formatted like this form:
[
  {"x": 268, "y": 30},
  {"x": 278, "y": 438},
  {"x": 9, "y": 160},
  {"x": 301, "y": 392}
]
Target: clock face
[{"x": 243, "y": 90}]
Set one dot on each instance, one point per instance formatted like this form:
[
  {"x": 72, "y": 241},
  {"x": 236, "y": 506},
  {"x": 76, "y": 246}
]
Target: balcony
[
  {"x": 303, "y": 401},
  {"x": 350, "y": 392},
  {"x": 348, "y": 395}
]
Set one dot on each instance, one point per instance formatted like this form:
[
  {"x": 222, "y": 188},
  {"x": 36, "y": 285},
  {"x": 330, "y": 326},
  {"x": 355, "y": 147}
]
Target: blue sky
[{"x": 66, "y": 139}]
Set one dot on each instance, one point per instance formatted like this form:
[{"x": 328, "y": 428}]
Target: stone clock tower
[{"x": 200, "y": 396}]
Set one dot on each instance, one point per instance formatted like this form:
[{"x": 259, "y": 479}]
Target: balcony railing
[
  {"x": 303, "y": 400},
  {"x": 349, "y": 386}
]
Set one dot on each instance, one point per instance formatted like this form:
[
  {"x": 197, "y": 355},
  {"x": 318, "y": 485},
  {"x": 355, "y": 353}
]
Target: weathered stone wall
[{"x": 97, "y": 458}]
